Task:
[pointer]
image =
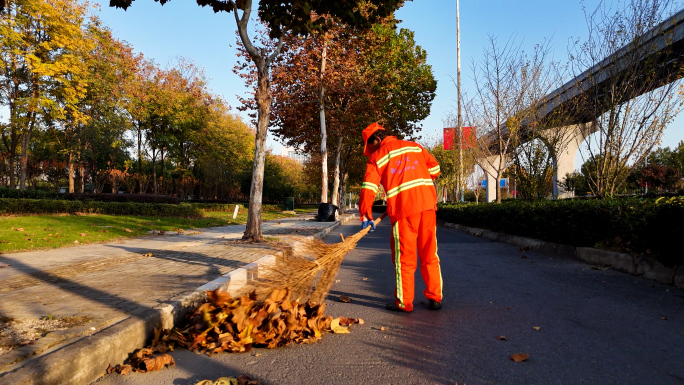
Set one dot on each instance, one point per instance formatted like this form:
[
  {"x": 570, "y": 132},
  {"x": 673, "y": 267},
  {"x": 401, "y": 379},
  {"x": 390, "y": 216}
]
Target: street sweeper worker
[{"x": 406, "y": 171}]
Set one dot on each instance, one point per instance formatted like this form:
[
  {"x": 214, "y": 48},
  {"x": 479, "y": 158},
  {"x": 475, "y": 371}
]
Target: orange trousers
[{"x": 415, "y": 233}]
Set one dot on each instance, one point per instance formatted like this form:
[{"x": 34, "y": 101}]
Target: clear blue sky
[{"x": 181, "y": 28}]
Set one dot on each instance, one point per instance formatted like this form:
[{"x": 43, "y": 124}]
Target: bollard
[{"x": 237, "y": 207}]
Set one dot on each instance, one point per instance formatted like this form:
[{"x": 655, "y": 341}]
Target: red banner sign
[{"x": 467, "y": 134}]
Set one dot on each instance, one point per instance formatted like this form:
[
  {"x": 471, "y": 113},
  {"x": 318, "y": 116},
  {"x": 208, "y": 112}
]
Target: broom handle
[{"x": 377, "y": 221}]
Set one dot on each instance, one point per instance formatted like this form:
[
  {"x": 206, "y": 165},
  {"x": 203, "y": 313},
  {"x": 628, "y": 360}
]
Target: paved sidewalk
[{"x": 114, "y": 282}]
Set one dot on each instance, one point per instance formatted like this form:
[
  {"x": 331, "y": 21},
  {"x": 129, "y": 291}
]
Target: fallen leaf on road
[
  {"x": 520, "y": 357},
  {"x": 121, "y": 369},
  {"x": 383, "y": 329},
  {"x": 536, "y": 327},
  {"x": 240, "y": 380},
  {"x": 524, "y": 248},
  {"x": 524, "y": 257},
  {"x": 128, "y": 231},
  {"x": 156, "y": 363},
  {"x": 361, "y": 321},
  {"x": 365, "y": 279},
  {"x": 663, "y": 318},
  {"x": 502, "y": 338},
  {"x": 148, "y": 255},
  {"x": 345, "y": 298},
  {"x": 336, "y": 328},
  {"x": 344, "y": 321},
  {"x": 3, "y": 266}
]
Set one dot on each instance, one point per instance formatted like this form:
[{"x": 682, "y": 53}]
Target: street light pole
[{"x": 458, "y": 86}]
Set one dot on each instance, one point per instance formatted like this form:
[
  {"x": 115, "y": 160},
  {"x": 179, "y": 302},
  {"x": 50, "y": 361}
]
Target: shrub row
[
  {"x": 641, "y": 225},
  {"x": 136, "y": 198},
  {"x": 219, "y": 206},
  {"x": 231, "y": 206},
  {"x": 52, "y": 206},
  {"x": 27, "y": 194},
  {"x": 102, "y": 197}
]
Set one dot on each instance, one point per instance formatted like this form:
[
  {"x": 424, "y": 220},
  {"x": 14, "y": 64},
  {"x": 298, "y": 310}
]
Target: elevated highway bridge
[{"x": 659, "y": 53}]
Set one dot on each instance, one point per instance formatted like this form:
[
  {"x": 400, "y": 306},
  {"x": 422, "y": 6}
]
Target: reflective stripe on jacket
[{"x": 406, "y": 170}]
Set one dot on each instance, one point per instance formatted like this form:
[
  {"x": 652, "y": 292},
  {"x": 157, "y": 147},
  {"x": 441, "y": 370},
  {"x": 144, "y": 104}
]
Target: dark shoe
[
  {"x": 393, "y": 307},
  {"x": 434, "y": 305}
]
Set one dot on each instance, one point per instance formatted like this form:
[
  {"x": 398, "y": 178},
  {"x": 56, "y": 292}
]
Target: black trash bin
[
  {"x": 326, "y": 212},
  {"x": 289, "y": 203}
]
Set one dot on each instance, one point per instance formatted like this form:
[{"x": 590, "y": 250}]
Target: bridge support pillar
[
  {"x": 571, "y": 137},
  {"x": 490, "y": 166}
]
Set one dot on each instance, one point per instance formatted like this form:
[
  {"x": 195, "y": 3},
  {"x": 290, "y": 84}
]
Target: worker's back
[{"x": 406, "y": 171}]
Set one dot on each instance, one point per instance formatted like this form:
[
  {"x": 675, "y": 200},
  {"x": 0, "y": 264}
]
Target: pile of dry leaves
[
  {"x": 235, "y": 325},
  {"x": 232, "y": 324}
]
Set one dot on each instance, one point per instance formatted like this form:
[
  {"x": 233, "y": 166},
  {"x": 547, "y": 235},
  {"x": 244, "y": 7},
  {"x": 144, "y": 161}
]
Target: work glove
[{"x": 365, "y": 224}]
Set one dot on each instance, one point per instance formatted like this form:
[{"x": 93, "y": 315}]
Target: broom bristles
[{"x": 309, "y": 269}]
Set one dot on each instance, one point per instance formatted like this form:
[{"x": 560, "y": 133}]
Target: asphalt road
[{"x": 594, "y": 326}]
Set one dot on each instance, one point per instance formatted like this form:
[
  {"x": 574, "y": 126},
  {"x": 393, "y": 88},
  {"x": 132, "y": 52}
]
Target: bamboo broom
[{"x": 308, "y": 270}]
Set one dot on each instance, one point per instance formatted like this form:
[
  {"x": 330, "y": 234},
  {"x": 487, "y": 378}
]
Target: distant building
[{"x": 292, "y": 153}]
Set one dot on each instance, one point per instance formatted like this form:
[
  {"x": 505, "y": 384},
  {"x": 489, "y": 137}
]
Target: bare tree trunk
[
  {"x": 321, "y": 113},
  {"x": 343, "y": 192},
  {"x": 263, "y": 97},
  {"x": 24, "y": 160},
  {"x": 336, "y": 174},
  {"x": 70, "y": 166},
  {"x": 12, "y": 173},
  {"x": 81, "y": 177},
  {"x": 161, "y": 154},
  {"x": 140, "y": 181},
  {"x": 154, "y": 170}
]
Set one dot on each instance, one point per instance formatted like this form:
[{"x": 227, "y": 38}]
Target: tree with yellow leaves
[{"x": 42, "y": 72}]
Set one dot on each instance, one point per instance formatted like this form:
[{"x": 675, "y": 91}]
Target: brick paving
[{"x": 111, "y": 282}]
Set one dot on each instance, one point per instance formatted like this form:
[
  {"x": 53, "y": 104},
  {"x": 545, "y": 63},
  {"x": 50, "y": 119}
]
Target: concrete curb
[
  {"x": 84, "y": 360},
  {"x": 629, "y": 263}
]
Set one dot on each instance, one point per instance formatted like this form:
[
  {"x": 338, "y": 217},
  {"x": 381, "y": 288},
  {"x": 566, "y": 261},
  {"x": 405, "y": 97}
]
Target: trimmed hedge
[
  {"x": 27, "y": 194},
  {"x": 137, "y": 198},
  {"x": 229, "y": 207},
  {"x": 219, "y": 206},
  {"x": 102, "y": 197},
  {"x": 53, "y": 206},
  {"x": 647, "y": 226}
]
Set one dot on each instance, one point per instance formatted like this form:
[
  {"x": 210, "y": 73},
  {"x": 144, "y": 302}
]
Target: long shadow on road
[{"x": 579, "y": 325}]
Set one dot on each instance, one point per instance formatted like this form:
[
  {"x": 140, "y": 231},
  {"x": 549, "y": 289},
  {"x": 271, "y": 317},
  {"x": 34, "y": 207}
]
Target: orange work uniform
[{"x": 406, "y": 170}]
